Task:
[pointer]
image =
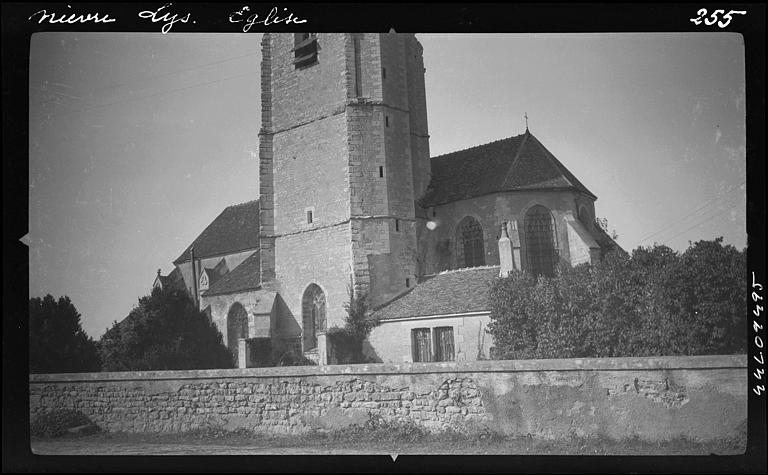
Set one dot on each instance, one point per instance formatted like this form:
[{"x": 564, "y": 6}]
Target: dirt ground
[{"x": 148, "y": 444}]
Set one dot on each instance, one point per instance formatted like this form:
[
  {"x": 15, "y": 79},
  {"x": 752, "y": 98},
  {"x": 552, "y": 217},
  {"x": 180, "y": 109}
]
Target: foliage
[
  {"x": 290, "y": 358},
  {"x": 165, "y": 331},
  {"x": 57, "y": 342},
  {"x": 347, "y": 342},
  {"x": 264, "y": 354},
  {"x": 56, "y": 422},
  {"x": 652, "y": 303},
  {"x": 378, "y": 429},
  {"x": 602, "y": 223}
]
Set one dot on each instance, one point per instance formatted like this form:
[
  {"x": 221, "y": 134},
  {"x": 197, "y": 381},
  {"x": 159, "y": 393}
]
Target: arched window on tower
[
  {"x": 313, "y": 315},
  {"x": 540, "y": 244},
  {"x": 469, "y": 239}
]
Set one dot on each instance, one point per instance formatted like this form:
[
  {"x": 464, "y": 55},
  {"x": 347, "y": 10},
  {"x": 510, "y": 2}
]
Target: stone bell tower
[{"x": 344, "y": 153}]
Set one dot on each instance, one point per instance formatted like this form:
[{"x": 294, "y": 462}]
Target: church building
[{"x": 350, "y": 197}]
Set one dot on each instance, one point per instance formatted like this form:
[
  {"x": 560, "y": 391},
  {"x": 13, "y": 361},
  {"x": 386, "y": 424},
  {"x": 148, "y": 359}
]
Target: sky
[{"x": 139, "y": 140}]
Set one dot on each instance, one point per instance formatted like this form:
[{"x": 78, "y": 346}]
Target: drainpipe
[{"x": 194, "y": 275}]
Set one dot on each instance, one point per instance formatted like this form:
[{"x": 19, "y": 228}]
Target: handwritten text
[
  {"x": 163, "y": 14},
  {"x": 70, "y": 18},
  {"x": 756, "y": 327},
  {"x": 714, "y": 17},
  {"x": 249, "y": 19}
]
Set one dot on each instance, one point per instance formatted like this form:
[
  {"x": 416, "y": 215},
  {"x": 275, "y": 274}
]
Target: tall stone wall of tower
[
  {"x": 336, "y": 143},
  {"x": 266, "y": 175},
  {"x": 417, "y": 108},
  {"x": 383, "y": 232},
  {"x": 309, "y": 171}
]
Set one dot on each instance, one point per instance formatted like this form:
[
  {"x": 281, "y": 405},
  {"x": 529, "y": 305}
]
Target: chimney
[
  {"x": 506, "y": 260},
  {"x": 158, "y": 272}
]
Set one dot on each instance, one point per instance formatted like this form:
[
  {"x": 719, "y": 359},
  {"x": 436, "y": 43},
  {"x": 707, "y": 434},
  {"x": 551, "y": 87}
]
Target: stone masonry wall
[
  {"x": 439, "y": 245},
  {"x": 702, "y": 398}
]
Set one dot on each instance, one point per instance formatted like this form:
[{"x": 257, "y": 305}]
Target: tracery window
[
  {"x": 313, "y": 318},
  {"x": 471, "y": 249},
  {"x": 540, "y": 247}
]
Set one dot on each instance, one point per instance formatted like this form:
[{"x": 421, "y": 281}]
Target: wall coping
[{"x": 655, "y": 363}]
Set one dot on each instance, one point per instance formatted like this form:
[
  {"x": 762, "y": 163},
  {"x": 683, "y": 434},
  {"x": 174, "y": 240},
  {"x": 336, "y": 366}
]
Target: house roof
[
  {"x": 246, "y": 276},
  {"x": 511, "y": 164},
  {"x": 454, "y": 291},
  {"x": 235, "y": 229}
]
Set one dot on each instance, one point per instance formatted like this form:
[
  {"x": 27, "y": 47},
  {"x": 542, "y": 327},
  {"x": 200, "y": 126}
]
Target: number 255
[{"x": 713, "y": 17}]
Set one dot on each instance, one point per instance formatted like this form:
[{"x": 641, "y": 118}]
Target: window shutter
[
  {"x": 444, "y": 349},
  {"x": 422, "y": 351}
]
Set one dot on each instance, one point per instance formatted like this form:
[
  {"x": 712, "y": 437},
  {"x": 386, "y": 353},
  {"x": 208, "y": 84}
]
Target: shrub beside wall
[{"x": 652, "y": 303}]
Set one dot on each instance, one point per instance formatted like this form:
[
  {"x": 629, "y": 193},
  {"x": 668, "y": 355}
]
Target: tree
[
  {"x": 165, "y": 331},
  {"x": 348, "y": 341},
  {"x": 57, "y": 342}
]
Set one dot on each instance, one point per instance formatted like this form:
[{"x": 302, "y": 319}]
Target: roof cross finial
[{"x": 526, "y": 121}]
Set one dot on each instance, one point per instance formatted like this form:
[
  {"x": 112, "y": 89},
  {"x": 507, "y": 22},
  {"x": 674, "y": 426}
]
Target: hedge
[{"x": 655, "y": 302}]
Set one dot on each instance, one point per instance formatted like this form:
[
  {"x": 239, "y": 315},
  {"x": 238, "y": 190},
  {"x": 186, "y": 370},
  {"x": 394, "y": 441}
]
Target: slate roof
[
  {"x": 235, "y": 229},
  {"x": 454, "y": 291},
  {"x": 244, "y": 277},
  {"x": 511, "y": 164}
]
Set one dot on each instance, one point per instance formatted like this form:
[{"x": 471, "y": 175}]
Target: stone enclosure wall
[{"x": 702, "y": 398}]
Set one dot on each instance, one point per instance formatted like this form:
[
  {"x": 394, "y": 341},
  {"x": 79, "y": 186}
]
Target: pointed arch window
[
  {"x": 471, "y": 249},
  {"x": 313, "y": 318},
  {"x": 540, "y": 245}
]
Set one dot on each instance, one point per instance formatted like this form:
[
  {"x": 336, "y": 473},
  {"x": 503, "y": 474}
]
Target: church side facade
[{"x": 350, "y": 198}]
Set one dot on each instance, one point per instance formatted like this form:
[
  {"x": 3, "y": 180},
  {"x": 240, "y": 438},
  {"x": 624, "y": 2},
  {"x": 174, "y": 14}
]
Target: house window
[
  {"x": 304, "y": 49},
  {"x": 386, "y": 120},
  {"x": 471, "y": 250},
  {"x": 444, "y": 344},
  {"x": 397, "y": 225},
  {"x": 383, "y": 73},
  {"x": 407, "y": 282},
  {"x": 422, "y": 351},
  {"x": 381, "y": 172},
  {"x": 540, "y": 245},
  {"x": 310, "y": 216}
]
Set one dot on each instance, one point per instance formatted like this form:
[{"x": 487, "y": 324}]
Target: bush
[
  {"x": 56, "y": 422},
  {"x": 166, "y": 331},
  {"x": 655, "y": 302}
]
